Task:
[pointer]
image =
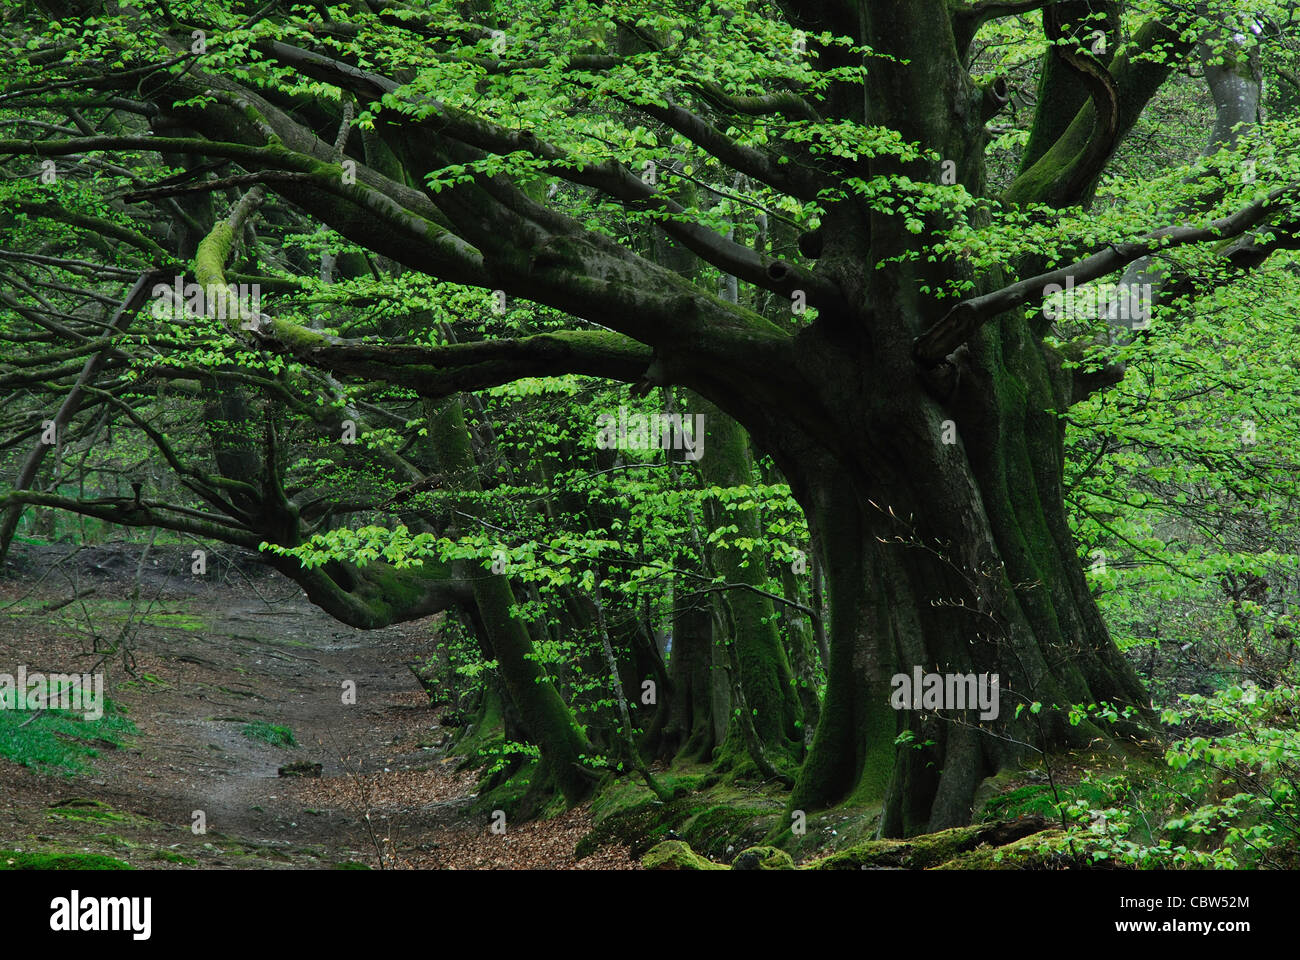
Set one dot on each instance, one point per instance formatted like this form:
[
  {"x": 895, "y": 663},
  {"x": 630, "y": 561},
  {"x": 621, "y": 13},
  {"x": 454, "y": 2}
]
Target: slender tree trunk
[
  {"x": 690, "y": 730},
  {"x": 765, "y": 680},
  {"x": 546, "y": 717}
]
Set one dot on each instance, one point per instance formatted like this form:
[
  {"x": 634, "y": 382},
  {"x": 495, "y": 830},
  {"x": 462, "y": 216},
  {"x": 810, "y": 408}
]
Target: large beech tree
[{"x": 783, "y": 207}]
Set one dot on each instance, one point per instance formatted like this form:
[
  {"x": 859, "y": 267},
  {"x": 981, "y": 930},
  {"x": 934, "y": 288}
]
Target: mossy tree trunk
[
  {"x": 954, "y": 557},
  {"x": 750, "y": 625},
  {"x": 936, "y": 500},
  {"x": 689, "y": 729}
]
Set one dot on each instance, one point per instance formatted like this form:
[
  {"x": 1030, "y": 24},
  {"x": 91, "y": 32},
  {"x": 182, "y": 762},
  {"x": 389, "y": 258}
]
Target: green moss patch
[
  {"x": 88, "y": 811},
  {"x": 1043, "y": 851},
  {"x": 718, "y": 820},
  {"x": 170, "y": 856},
  {"x": 933, "y": 849},
  {"x": 716, "y": 828},
  {"x": 638, "y": 826},
  {"x": 19, "y": 860},
  {"x": 763, "y": 858},
  {"x": 677, "y": 855}
]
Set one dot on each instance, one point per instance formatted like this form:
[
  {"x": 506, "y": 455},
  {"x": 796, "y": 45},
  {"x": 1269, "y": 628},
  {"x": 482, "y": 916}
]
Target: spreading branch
[{"x": 963, "y": 320}]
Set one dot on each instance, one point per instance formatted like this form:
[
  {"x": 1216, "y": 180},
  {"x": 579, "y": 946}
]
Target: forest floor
[{"x": 217, "y": 663}]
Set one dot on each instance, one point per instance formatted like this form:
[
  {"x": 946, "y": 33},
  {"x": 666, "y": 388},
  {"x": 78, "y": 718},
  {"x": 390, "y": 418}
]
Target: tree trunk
[
  {"x": 935, "y": 496},
  {"x": 546, "y": 717},
  {"x": 765, "y": 679},
  {"x": 946, "y": 547},
  {"x": 689, "y": 733}
]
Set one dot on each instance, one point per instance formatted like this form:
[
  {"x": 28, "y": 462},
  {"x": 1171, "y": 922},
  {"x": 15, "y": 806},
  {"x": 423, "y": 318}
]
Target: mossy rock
[
  {"x": 870, "y": 854},
  {"x": 18, "y": 860},
  {"x": 717, "y": 822},
  {"x": 301, "y": 769},
  {"x": 826, "y": 831},
  {"x": 716, "y": 827},
  {"x": 763, "y": 858},
  {"x": 1042, "y": 851},
  {"x": 677, "y": 855},
  {"x": 932, "y": 849},
  {"x": 638, "y": 827},
  {"x": 88, "y": 811},
  {"x": 80, "y": 803}
]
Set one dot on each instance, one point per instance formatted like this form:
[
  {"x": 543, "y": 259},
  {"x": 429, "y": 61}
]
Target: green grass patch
[
  {"x": 105, "y": 612},
  {"x": 169, "y": 620},
  {"x": 269, "y": 733},
  {"x": 58, "y": 740}
]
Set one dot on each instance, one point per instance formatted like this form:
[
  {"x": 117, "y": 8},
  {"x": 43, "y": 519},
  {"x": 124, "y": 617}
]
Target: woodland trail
[{"x": 241, "y": 651}]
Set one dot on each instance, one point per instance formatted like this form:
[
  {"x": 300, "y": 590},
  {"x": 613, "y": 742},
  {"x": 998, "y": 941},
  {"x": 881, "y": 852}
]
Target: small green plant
[
  {"x": 498, "y": 757},
  {"x": 1228, "y": 801},
  {"x": 172, "y": 857},
  {"x": 270, "y": 733}
]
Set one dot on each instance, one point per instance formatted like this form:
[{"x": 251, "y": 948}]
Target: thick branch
[
  {"x": 441, "y": 371},
  {"x": 1066, "y": 171}
]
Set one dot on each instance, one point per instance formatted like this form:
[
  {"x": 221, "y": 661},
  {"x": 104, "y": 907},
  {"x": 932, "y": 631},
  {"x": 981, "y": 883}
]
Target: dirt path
[{"x": 241, "y": 651}]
